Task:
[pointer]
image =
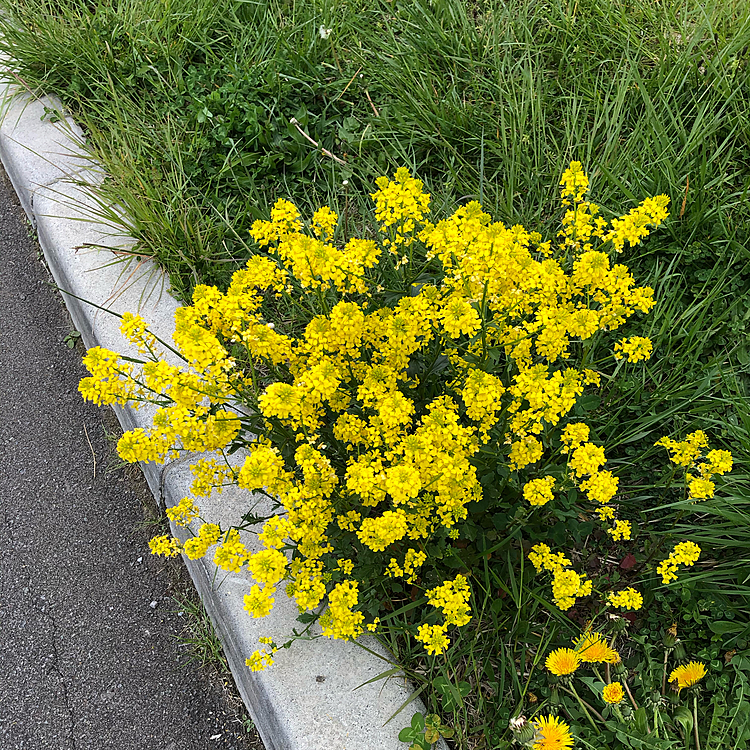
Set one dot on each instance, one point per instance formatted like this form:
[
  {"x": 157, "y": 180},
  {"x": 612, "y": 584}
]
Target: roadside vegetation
[{"x": 206, "y": 114}]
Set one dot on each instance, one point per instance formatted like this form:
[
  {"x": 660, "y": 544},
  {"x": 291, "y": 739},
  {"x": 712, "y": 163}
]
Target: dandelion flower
[
  {"x": 563, "y": 661},
  {"x": 593, "y": 649},
  {"x": 688, "y": 674},
  {"x": 552, "y": 734},
  {"x": 613, "y": 693}
]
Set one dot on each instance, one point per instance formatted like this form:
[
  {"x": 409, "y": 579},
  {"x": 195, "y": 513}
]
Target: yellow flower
[
  {"x": 231, "y": 555},
  {"x": 184, "y": 512},
  {"x": 259, "y": 660},
  {"x": 587, "y": 459},
  {"x": 719, "y": 462},
  {"x": 259, "y": 602},
  {"x": 601, "y": 487},
  {"x": 573, "y": 435},
  {"x": 632, "y": 227},
  {"x": 628, "y": 599},
  {"x": 539, "y": 491},
  {"x": 592, "y": 648},
  {"x": 685, "y": 553},
  {"x": 688, "y": 675},
  {"x": 563, "y": 661},
  {"x": 552, "y": 734},
  {"x": 636, "y": 348},
  {"x": 574, "y": 183},
  {"x": 622, "y": 530},
  {"x": 613, "y": 693},
  {"x": 433, "y": 637},
  {"x": 453, "y": 598},
  {"x": 700, "y": 488},
  {"x": 165, "y": 545},
  {"x": 686, "y": 452},
  {"x": 605, "y": 513}
]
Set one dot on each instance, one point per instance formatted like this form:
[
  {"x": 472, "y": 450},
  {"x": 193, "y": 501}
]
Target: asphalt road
[{"x": 85, "y": 660}]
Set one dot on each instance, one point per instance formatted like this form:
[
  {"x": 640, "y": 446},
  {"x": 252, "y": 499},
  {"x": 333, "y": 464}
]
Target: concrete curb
[{"x": 313, "y": 697}]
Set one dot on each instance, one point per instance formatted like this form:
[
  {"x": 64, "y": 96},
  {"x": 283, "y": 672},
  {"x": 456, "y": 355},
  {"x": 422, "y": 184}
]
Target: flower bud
[
  {"x": 523, "y": 730},
  {"x": 670, "y": 637}
]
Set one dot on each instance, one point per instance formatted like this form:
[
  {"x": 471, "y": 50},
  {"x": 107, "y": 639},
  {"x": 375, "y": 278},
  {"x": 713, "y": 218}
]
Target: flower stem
[
  {"x": 630, "y": 695},
  {"x": 585, "y": 710},
  {"x": 695, "y": 722},
  {"x": 588, "y": 705}
]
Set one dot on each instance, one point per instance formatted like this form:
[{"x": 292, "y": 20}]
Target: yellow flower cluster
[
  {"x": 111, "y": 380},
  {"x": 580, "y": 224},
  {"x": 629, "y": 598},
  {"x": 575, "y": 183},
  {"x": 620, "y": 531},
  {"x": 184, "y": 512},
  {"x": 197, "y": 546},
  {"x": 685, "y": 452},
  {"x": 635, "y": 348},
  {"x": 232, "y": 554},
  {"x": 314, "y": 262},
  {"x": 453, "y": 599},
  {"x": 340, "y": 620},
  {"x": 684, "y": 553},
  {"x": 632, "y": 228},
  {"x": 267, "y": 566},
  {"x": 567, "y": 585},
  {"x": 689, "y": 453},
  {"x": 210, "y": 475},
  {"x": 261, "y": 659},
  {"x": 539, "y": 491},
  {"x": 259, "y": 602},
  {"x": 400, "y": 205},
  {"x": 413, "y": 561},
  {"x": 370, "y": 452},
  {"x": 433, "y": 637},
  {"x": 135, "y": 330},
  {"x": 166, "y": 546}
]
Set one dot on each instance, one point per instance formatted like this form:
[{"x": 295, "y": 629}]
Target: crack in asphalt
[{"x": 43, "y": 611}]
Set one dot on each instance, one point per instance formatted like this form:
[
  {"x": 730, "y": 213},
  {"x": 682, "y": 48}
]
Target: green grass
[
  {"x": 188, "y": 103},
  {"x": 190, "y": 112}
]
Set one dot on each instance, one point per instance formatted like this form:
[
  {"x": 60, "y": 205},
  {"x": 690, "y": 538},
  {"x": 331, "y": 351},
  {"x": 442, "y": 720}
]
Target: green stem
[
  {"x": 695, "y": 722},
  {"x": 587, "y": 705},
  {"x": 585, "y": 710}
]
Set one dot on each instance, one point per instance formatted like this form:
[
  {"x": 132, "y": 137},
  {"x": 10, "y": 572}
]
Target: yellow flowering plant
[{"x": 419, "y": 396}]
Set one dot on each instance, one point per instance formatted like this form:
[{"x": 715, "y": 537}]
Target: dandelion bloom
[
  {"x": 613, "y": 693},
  {"x": 688, "y": 674},
  {"x": 563, "y": 661},
  {"x": 552, "y": 734},
  {"x": 592, "y": 648}
]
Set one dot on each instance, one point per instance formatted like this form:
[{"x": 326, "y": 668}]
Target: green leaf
[
  {"x": 589, "y": 402},
  {"x": 641, "y": 721},
  {"x": 684, "y": 716},
  {"x": 720, "y": 627},
  {"x": 406, "y": 734}
]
